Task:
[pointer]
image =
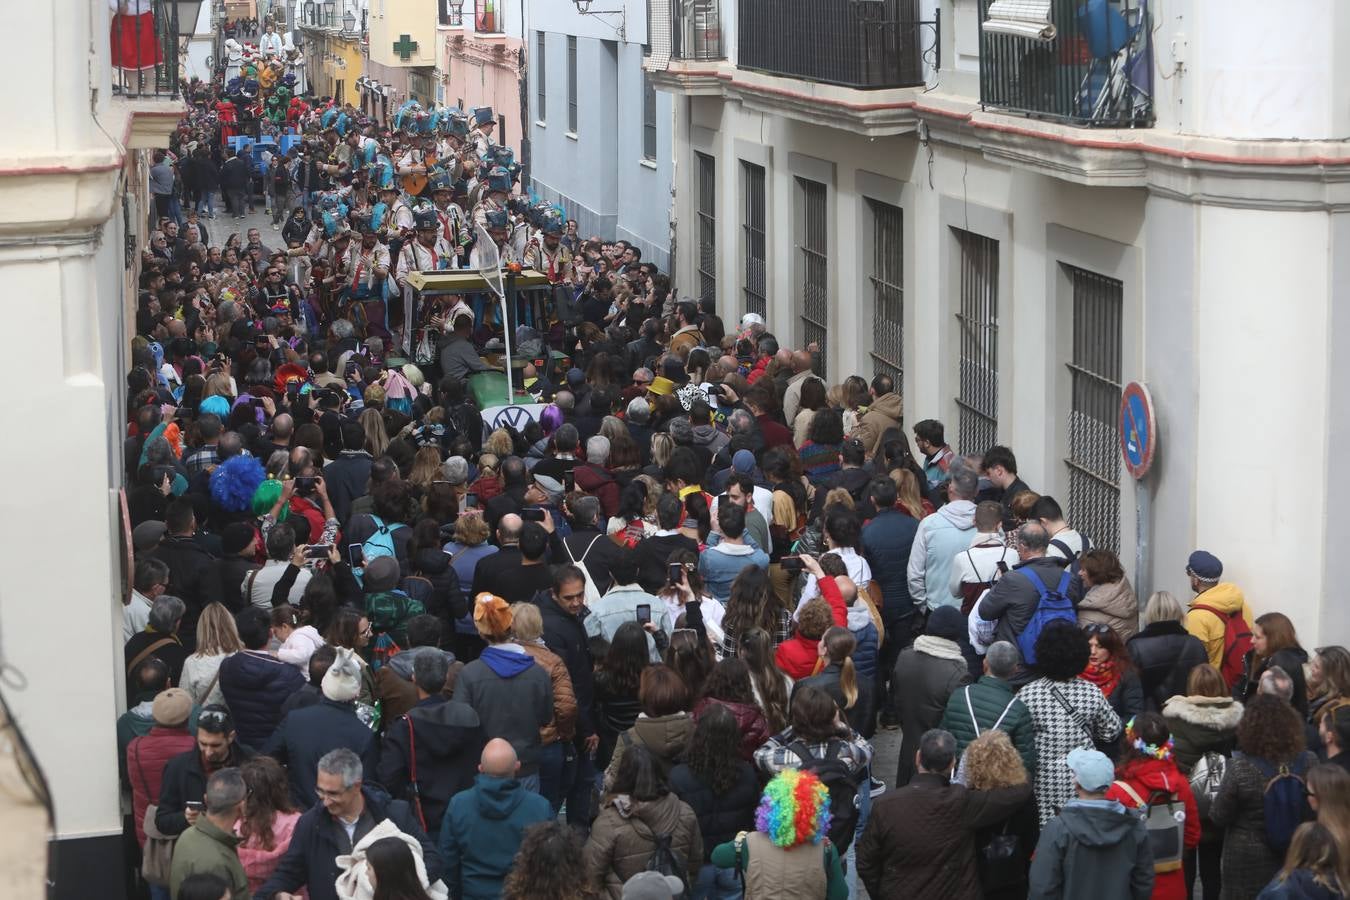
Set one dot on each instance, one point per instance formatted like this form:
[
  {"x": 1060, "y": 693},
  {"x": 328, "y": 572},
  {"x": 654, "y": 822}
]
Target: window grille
[
  {"x": 1095, "y": 372},
  {"x": 977, "y": 319},
  {"x": 814, "y": 249},
  {"x": 756, "y": 244},
  {"x": 707, "y": 226},
  {"x": 888, "y": 293}
]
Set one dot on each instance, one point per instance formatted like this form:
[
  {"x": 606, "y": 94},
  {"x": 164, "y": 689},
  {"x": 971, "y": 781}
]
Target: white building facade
[
  {"x": 1016, "y": 228},
  {"x": 601, "y": 134}
]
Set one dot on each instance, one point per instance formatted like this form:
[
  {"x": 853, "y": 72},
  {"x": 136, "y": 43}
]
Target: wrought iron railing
[
  {"x": 696, "y": 29},
  {"x": 145, "y": 50},
  {"x": 855, "y": 43},
  {"x": 1089, "y": 63}
]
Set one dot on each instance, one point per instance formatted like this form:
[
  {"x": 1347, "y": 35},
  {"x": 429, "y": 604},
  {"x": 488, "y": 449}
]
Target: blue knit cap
[{"x": 1204, "y": 565}]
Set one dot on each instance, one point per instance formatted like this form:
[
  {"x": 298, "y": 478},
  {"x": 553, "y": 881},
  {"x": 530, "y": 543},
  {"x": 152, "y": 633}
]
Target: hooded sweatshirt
[
  {"x": 482, "y": 831},
  {"x": 1208, "y": 627},
  {"x": 512, "y": 696},
  {"x": 940, "y": 537},
  {"x": 1093, "y": 848}
]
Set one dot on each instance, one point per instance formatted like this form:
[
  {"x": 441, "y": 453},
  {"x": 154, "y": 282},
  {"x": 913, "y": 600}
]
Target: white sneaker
[{"x": 276, "y": 227}]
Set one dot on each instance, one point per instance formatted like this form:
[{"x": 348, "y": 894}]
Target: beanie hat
[
  {"x": 342, "y": 683},
  {"x": 1204, "y": 565},
  {"x": 171, "y": 707},
  {"x": 743, "y": 462},
  {"x": 381, "y": 574},
  {"x": 652, "y": 886},
  {"x": 235, "y": 537},
  {"x": 946, "y": 622},
  {"x": 492, "y": 615}
]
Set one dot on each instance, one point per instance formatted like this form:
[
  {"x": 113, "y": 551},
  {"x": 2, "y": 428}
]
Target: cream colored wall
[{"x": 390, "y": 19}]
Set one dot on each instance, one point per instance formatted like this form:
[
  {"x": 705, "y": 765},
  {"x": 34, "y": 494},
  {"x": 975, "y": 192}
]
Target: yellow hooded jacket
[{"x": 1208, "y": 627}]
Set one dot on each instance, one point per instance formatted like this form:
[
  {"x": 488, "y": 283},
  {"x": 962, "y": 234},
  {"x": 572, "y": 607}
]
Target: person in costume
[
  {"x": 295, "y": 66},
  {"x": 547, "y": 254},
  {"x": 234, "y": 60},
  {"x": 429, "y": 252},
  {"x": 453, "y": 224},
  {"x": 367, "y": 268},
  {"x": 485, "y": 123}
]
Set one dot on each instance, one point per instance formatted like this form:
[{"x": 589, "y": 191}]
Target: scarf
[{"x": 1105, "y": 676}]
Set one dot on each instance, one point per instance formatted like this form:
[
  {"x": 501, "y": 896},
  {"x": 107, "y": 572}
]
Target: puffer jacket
[
  {"x": 564, "y": 724},
  {"x": 255, "y": 685},
  {"x": 925, "y": 676},
  {"x": 624, "y": 836},
  {"x": 437, "y": 587},
  {"x": 1201, "y": 725},
  {"x": 307, "y": 734},
  {"x": 257, "y": 860},
  {"x": 665, "y": 737},
  {"x": 1164, "y": 655},
  {"x": 989, "y": 698},
  {"x": 888, "y": 541},
  {"x": 750, "y": 721},
  {"x": 146, "y": 758},
  {"x": 868, "y": 647},
  {"x": 1209, "y": 628},
  {"x": 721, "y": 814},
  {"x": 1113, "y": 604}
]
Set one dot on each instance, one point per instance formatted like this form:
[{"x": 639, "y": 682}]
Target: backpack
[
  {"x": 972, "y": 591},
  {"x": 381, "y": 543},
  {"x": 843, "y": 787},
  {"x": 1050, "y": 606},
  {"x": 1285, "y": 800},
  {"x": 1164, "y": 818},
  {"x": 1206, "y": 778},
  {"x": 1237, "y": 640},
  {"x": 666, "y": 860},
  {"x": 592, "y": 592},
  {"x": 1072, "y": 561}
]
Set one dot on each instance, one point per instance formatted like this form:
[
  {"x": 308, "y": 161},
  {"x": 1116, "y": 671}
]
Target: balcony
[
  {"x": 145, "y": 51},
  {"x": 866, "y": 44},
  {"x": 1080, "y": 63},
  {"x": 696, "y": 29}
]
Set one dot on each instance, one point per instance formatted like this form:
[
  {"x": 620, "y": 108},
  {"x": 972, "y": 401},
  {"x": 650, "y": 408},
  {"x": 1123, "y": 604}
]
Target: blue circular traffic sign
[{"x": 1138, "y": 429}]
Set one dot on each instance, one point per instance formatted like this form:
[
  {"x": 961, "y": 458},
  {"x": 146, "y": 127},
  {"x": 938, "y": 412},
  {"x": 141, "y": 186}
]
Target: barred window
[
  {"x": 707, "y": 226},
  {"x": 648, "y": 117},
  {"x": 1095, "y": 372},
  {"x": 977, "y": 320},
  {"x": 541, "y": 76},
  {"x": 813, "y": 245},
  {"x": 756, "y": 290},
  {"x": 572, "y": 83},
  {"x": 887, "y": 275}
]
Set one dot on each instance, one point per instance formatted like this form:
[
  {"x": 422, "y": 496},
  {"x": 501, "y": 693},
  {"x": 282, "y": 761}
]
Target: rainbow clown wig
[{"x": 794, "y": 809}]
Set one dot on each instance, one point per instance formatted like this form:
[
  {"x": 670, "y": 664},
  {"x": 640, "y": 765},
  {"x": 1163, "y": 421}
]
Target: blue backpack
[
  {"x": 1052, "y": 606},
  {"x": 1285, "y": 799},
  {"x": 381, "y": 543}
]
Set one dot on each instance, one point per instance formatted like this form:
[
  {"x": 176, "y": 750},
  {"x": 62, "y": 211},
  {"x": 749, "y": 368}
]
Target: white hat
[
  {"x": 342, "y": 683},
  {"x": 751, "y": 319}
]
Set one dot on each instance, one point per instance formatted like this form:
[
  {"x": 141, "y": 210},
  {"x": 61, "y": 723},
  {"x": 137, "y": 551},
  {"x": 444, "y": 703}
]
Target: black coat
[
  {"x": 185, "y": 779},
  {"x": 224, "y": 579},
  {"x": 306, "y": 734},
  {"x": 188, "y": 562},
  {"x": 503, "y": 574},
  {"x": 172, "y": 654},
  {"x": 439, "y": 593},
  {"x": 1164, "y": 654},
  {"x": 721, "y": 814},
  {"x": 565, "y": 635},
  {"x": 318, "y": 840},
  {"x": 345, "y": 478},
  {"x": 449, "y": 741},
  {"x": 255, "y": 686},
  {"x": 603, "y": 554},
  {"x": 653, "y": 555}
]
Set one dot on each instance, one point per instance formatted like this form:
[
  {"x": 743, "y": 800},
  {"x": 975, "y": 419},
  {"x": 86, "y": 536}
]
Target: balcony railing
[
  {"x": 696, "y": 29},
  {"x": 1089, "y": 62},
  {"x": 145, "y": 52},
  {"x": 855, "y": 43}
]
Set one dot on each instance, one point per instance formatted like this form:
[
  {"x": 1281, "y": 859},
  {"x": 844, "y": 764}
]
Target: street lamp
[
  {"x": 186, "y": 12},
  {"x": 329, "y": 13},
  {"x": 349, "y": 21}
]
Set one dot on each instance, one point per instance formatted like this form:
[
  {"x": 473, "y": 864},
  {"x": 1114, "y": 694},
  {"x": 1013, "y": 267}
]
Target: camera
[{"x": 792, "y": 564}]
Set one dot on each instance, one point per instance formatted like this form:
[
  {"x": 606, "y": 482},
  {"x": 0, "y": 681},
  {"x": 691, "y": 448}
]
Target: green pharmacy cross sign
[{"x": 405, "y": 47}]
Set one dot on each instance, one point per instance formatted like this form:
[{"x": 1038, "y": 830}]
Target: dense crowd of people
[{"x": 642, "y": 644}]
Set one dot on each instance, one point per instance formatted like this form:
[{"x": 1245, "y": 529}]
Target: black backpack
[
  {"x": 842, "y": 784},
  {"x": 665, "y": 860}
]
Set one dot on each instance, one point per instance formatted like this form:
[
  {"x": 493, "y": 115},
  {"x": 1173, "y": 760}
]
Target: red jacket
[
  {"x": 595, "y": 481},
  {"x": 146, "y": 758},
  {"x": 753, "y": 726},
  {"x": 798, "y": 655},
  {"x": 1149, "y": 776},
  {"x": 757, "y": 371}
]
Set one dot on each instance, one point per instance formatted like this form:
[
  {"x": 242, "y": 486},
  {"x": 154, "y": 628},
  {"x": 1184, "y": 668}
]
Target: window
[
  {"x": 977, "y": 321},
  {"x": 486, "y": 16},
  {"x": 648, "y": 118},
  {"x": 540, "y": 77},
  {"x": 452, "y": 13},
  {"x": 813, "y": 246},
  {"x": 1095, "y": 372},
  {"x": 707, "y": 226},
  {"x": 338, "y": 92},
  {"x": 572, "y": 83},
  {"x": 756, "y": 289},
  {"x": 501, "y": 130},
  {"x": 887, "y": 274}
]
